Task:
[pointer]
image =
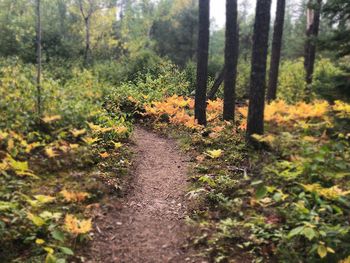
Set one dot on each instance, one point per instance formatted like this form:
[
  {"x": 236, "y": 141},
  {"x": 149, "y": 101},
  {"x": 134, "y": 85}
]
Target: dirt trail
[{"x": 149, "y": 225}]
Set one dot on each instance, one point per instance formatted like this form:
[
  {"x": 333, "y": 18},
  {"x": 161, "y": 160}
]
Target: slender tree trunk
[
  {"x": 276, "y": 50},
  {"x": 87, "y": 52},
  {"x": 216, "y": 85},
  {"x": 38, "y": 57},
  {"x": 87, "y": 20},
  {"x": 231, "y": 54},
  {"x": 255, "y": 123},
  {"x": 313, "y": 24},
  {"x": 202, "y": 62}
]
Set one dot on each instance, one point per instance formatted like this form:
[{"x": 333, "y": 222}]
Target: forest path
[{"x": 148, "y": 226}]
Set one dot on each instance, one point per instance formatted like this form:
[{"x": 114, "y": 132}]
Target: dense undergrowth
[
  {"x": 286, "y": 201},
  {"x": 56, "y": 168}
]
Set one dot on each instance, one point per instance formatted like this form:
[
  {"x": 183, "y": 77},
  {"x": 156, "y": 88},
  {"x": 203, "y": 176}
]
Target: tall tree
[
  {"x": 256, "y": 107},
  {"x": 175, "y": 30},
  {"x": 202, "y": 62},
  {"x": 231, "y": 57},
  {"x": 338, "y": 12},
  {"x": 87, "y": 9},
  {"x": 312, "y": 28},
  {"x": 276, "y": 50},
  {"x": 38, "y": 56}
]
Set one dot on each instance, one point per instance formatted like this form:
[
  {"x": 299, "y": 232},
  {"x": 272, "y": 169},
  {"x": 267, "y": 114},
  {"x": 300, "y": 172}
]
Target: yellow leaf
[
  {"x": 117, "y": 145},
  {"x": 39, "y": 241},
  {"x": 332, "y": 193},
  {"x": 21, "y": 168},
  {"x": 10, "y": 144},
  {"x": 322, "y": 251},
  {"x": 32, "y": 146},
  {"x": 3, "y": 166},
  {"x": 132, "y": 99},
  {"x": 50, "y": 152},
  {"x": 38, "y": 221},
  {"x": 345, "y": 260},
  {"x": 74, "y": 196},
  {"x": 90, "y": 140},
  {"x": 104, "y": 155},
  {"x": 73, "y": 146},
  {"x": 3, "y": 135},
  {"x": 121, "y": 129},
  {"x": 48, "y": 119},
  {"x": 330, "y": 250},
  {"x": 50, "y": 251},
  {"x": 98, "y": 128},
  {"x": 44, "y": 198},
  {"x": 214, "y": 153},
  {"x": 77, "y": 133},
  {"x": 75, "y": 226}
]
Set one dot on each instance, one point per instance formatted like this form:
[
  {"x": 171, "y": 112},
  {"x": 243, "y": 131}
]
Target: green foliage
[
  {"x": 331, "y": 81},
  {"x": 287, "y": 202},
  {"x": 40, "y": 159},
  {"x": 291, "y": 83},
  {"x": 131, "y": 69},
  {"x": 338, "y": 13}
]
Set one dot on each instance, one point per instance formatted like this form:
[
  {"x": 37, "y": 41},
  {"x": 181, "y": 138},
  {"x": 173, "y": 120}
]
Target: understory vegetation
[
  {"x": 269, "y": 181},
  {"x": 287, "y": 201}
]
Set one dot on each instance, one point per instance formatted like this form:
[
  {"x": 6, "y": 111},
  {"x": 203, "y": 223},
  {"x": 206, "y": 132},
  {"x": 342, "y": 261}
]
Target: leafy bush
[
  {"x": 74, "y": 133},
  {"x": 129, "y": 69},
  {"x": 291, "y": 82},
  {"x": 329, "y": 79}
]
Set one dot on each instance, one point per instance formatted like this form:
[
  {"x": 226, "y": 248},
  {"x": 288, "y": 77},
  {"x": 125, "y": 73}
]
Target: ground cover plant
[
  {"x": 55, "y": 168},
  {"x": 289, "y": 200}
]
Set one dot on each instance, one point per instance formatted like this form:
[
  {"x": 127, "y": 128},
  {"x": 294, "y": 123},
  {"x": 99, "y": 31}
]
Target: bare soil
[{"x": 148, "y": 224}]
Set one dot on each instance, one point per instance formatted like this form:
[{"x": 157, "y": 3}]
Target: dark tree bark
[
  {"x": 216, "y": 85},
  {"x": 313, "y": 24},
  {"x": 231, "y": 55},
  {"x": 255, "y": 123},
  {"x": 38, "y": 57},
  {"x": 276, "y": 50},
  {"x": 202, "y": 62}
]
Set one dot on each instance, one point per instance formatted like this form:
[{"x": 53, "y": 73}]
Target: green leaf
[
  {"x": 322, "y": 251},
  {"x": 309, "y": 233},
  {"x": 261, "y": 192},
  {"x": 44, "y": 198},
  {"x": 50, "y": 258},
  {"x": 296, "y": 231},
  {"x": 67, "y": 251},
  {"x": 38, "y": 221},
  {"x": 58, "y": 235},
  {"x": 19, "y": 166},
  {"x": 7, "y": 205}
]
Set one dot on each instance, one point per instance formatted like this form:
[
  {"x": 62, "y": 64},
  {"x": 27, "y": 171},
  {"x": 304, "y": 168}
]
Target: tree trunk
[
  {"x": 38, "y": 57},
  {"x": 87, "y": 41},
  {"x": 276, "y": 50},
  {"x": 255, "y": 123},
  {"x": 202, "y": 62},
  {"x": 231, "y": 54},
  {"x": 87, "y": 19},
  {"x": 313, "y": 24},
  {"x": 216, "y": 85}
]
